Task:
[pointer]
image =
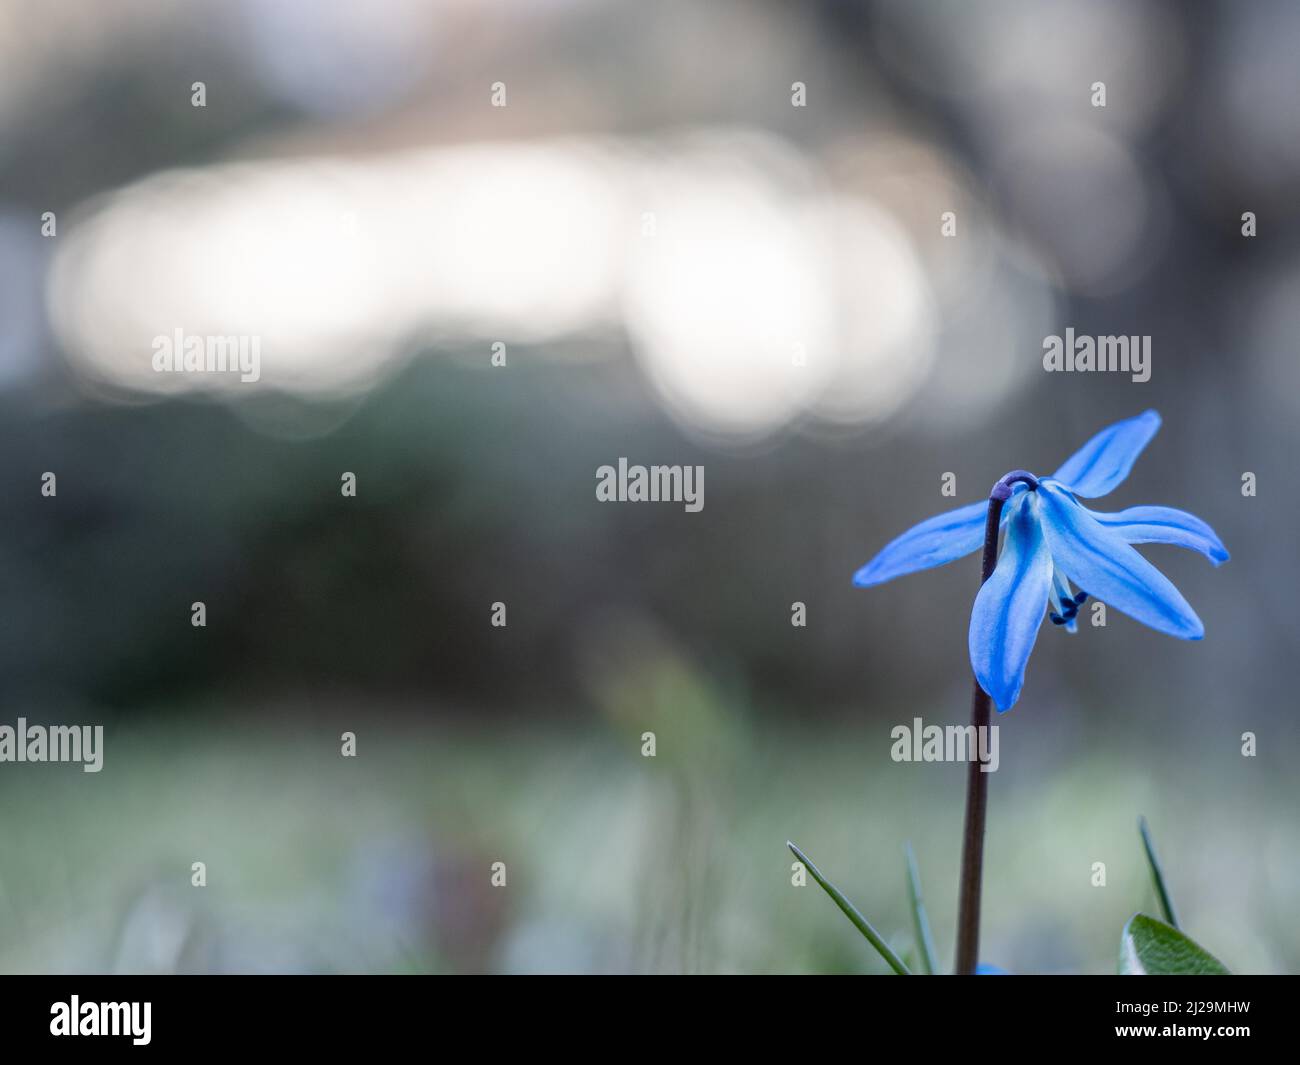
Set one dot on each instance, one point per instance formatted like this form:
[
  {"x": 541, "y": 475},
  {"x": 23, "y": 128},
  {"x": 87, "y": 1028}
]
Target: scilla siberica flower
[{"x": 1052, "y": 540}]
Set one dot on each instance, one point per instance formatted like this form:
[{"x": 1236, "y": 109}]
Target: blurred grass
[{"x": 615, "y": 862}]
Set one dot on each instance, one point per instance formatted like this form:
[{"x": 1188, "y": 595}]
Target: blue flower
[{"x": 1052, "y": 540}]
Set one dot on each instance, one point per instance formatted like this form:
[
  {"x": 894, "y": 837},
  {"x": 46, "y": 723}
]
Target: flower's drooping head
[{"x": 1052, "y": 544}]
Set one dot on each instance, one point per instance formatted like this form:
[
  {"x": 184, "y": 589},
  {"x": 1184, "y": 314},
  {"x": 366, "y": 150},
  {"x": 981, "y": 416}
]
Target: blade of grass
[
  {"x": 1166, "y": 903},
  {"x": 851, "y": 912},
  {"x": 920, "y": 922}
]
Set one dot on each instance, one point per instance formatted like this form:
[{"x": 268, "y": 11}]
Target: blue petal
[
  {"x": 985, "y": 969},
  {"x": 936, "y": 540},
  {"x": 1104, "y": 461},
  {"x": 1009, "y": 608},
  {"x": 1102, "y": 564},
  {"x": 1164, "y": 525}
]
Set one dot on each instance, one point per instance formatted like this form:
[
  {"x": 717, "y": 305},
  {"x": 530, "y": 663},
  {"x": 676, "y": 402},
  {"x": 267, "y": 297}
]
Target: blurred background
[{"x": 695, "y": 233}]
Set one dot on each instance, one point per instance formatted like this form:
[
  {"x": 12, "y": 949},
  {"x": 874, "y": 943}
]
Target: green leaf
[
  {"x": 920, "y": 922},
  {"x": 851, "y": 912},
  {"x": 1152, "y": 948},
  {"x": 1166, "y": 903}
]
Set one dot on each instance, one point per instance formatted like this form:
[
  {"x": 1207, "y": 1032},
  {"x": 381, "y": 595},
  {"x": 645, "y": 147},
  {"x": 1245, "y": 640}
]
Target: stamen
[
  {"x": 1060, "y": 600},
  {"x": 1056, "y": 619},
  {"x": 1081, "y": 598}
]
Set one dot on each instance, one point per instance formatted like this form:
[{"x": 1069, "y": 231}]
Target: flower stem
[{"x": 977, "y": 782}]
